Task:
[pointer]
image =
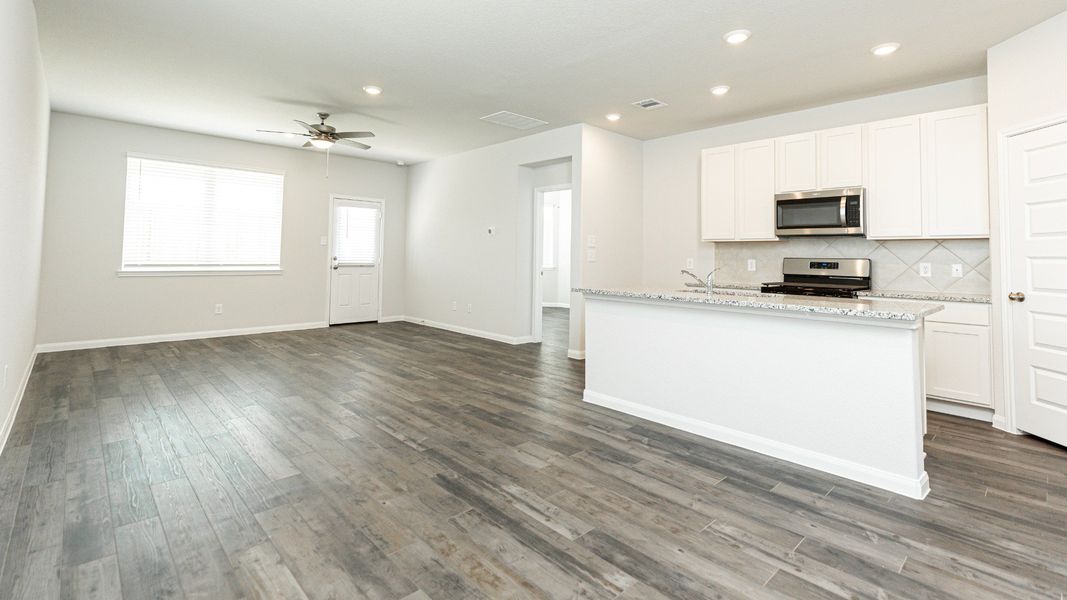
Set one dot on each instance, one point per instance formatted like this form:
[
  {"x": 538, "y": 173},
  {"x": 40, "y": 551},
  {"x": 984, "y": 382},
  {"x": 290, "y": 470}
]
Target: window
[
  {"x": 195, "y": 217},
  {"x": 355, "y": 234},
  {"x": 550, "y": 222}
]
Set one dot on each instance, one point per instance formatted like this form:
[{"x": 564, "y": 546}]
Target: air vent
[
  {"x": 515, "y": 121},
  {"x": 649, "y": 104}
]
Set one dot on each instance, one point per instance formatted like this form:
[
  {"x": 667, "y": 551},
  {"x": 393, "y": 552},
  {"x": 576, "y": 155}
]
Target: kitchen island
[{"x": 831, "y": 384}]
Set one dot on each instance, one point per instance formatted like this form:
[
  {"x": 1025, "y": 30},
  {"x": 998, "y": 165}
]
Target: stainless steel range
[{"x": 835, "y": 277}]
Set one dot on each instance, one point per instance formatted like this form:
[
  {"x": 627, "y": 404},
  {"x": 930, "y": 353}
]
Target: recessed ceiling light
[
  {"x": 373, "y": 90},
  {"x": 737, "y": 36},
  {"x": 400, "y": 163},
  {"x": 613, "y": 116},
  {"x": 719, "y": 90},
  {"x": 885, "y": 49}
]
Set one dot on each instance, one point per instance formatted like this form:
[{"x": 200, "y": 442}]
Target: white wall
[
  {"x": 24, "y": 99},
  {"x": 1027, "y": 83},
  {"x": 611, "y": 212},
  {"x": 82, "y": 297},
  {"x": 672, "y": 166},
  {"x": 452, "y": 258}
]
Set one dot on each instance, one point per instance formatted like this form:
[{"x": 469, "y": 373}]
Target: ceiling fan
[{"x": 323, "y": 136}]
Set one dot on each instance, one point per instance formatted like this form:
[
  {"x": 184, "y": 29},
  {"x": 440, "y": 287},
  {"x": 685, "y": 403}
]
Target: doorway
[
  {"x": 552, "y": 305},
  {"x": 355, "y": 260}
]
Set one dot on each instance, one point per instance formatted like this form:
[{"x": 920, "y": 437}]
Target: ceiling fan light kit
[{"x": 322, "y": 136}]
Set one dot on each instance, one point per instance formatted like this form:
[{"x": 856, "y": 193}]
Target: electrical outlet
[
  {"x": 453, "y": 305},
  {"x": 470, "y": 308},
  {"x": 590, "y": 255},
  {"x": 689, "y": 263},
  {"x": 218, "y": 309},
  {"x": 925, "y": 270},
  {"x": 957, "y": 270},
  {"x": 591, "y": 242},
  {"x": 751, "y": 264},
  {"x": 322, "y": 241}
]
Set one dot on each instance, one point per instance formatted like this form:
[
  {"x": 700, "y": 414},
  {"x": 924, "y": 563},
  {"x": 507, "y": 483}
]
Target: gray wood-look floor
[{"x": 399, "y": 461}]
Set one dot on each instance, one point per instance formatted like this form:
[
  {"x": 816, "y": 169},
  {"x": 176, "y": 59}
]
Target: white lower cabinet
[{"x": 958, "y": 354}]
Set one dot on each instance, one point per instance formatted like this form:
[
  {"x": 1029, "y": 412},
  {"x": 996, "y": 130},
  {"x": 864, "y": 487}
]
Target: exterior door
[
  {"x": 356, "y": 261},
  {"x": 1036, "y": 193}
]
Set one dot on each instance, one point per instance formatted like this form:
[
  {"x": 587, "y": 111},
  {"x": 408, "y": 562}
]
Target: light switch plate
[
  {"x": 689, "y": 263},
  {"x": 925, "y": 270},
  {"x": 590, "y": 255},
  {"x": 322, "y": 241},
  {"x": 957, "y": 270},
  {"x": 751, "y": 264},
  {"x": 590, "y": 242}
]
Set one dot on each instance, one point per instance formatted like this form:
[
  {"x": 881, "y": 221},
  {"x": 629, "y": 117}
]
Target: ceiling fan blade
[
  {"x": 308, "y": 127},
  {"x": 351, "y": 143},
  {"x": 306, "y": 145},
  {"x": 282, "y": 132},
  {"x": 355, "y": 134}
]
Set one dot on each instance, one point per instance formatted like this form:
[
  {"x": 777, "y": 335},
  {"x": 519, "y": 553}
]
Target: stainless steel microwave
[{"x": 821, "y": 212}]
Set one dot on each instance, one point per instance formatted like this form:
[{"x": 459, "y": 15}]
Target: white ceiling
[{"x": 230, "y": 67}]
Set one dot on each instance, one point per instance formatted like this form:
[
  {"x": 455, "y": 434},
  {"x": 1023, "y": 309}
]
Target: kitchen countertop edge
[{"x": 872, "y": 308}]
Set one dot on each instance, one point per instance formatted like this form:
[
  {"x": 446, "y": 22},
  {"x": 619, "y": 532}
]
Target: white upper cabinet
[
  {"x": 926, "y": 177},
  {"x": 737, "y": 192},
  {"x": 796, "y": 159},
  {"x": 755, "y": 190},
  {"x": 894, "y": 178},
  {"x": 840, "y": 157},
  {"x": 717, "y": 195},
  {"x": 955, "y": 184}
]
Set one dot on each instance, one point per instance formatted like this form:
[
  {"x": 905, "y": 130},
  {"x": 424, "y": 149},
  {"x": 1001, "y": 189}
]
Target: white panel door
[
  {"x": 841, "y": 157},
  {"x": 955, "y": 173},
  {"x": 796, "y": 159},
  {"x": 894, "y": 179},
  {"x": 717, "y": 189},
  {"x": 1036, "y": 194},
  {"x": 356, "y": 260},
  {"x": 755, "y": 191}
]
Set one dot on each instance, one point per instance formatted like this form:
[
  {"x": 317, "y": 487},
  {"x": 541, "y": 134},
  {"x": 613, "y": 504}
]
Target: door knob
[{"x": 1017, "y": 297}]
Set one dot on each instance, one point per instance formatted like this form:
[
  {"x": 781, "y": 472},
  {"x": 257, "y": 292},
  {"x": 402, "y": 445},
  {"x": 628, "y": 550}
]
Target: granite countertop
[
  {"x": 892, "y": 294},
  {"x": 930, "y": 296},
  {"x": 868, "y": 308}
]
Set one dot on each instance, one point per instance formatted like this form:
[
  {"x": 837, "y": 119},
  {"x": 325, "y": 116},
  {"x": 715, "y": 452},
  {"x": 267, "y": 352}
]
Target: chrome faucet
[
  {"x": 707, "y": 283},
  {"x": 699, "y": 282}
]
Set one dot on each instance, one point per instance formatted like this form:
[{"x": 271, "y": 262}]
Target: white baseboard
[
  {"x": 576, "y": 354},
  {"x": 959, "y": 410},
  {"x": 489, "y": 335},
  {"x": 555, "y": 305},
  {"x": 174, "y": 337},
  {"x": 913, "y": 488},
  {"x": 9, "y": 420},
  {"x": 1001, "y": 422},
  {"x": 392, "y": 319}
]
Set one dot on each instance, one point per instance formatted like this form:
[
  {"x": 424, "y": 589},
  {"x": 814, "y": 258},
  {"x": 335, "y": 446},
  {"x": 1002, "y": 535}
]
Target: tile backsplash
[{"x": 894, "y": 263}]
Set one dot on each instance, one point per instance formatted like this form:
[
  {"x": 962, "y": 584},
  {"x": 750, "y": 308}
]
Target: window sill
[{"x": 180, "y": 272}]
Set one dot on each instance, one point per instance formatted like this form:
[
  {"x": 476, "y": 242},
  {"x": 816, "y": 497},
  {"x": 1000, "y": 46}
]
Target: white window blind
[
  {"x": 355, "y": 235},
  {"x": 190, "y": 217}
]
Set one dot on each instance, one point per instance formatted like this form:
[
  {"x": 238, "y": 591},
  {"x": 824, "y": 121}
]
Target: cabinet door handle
[{"x": 1017, "y": 297}]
